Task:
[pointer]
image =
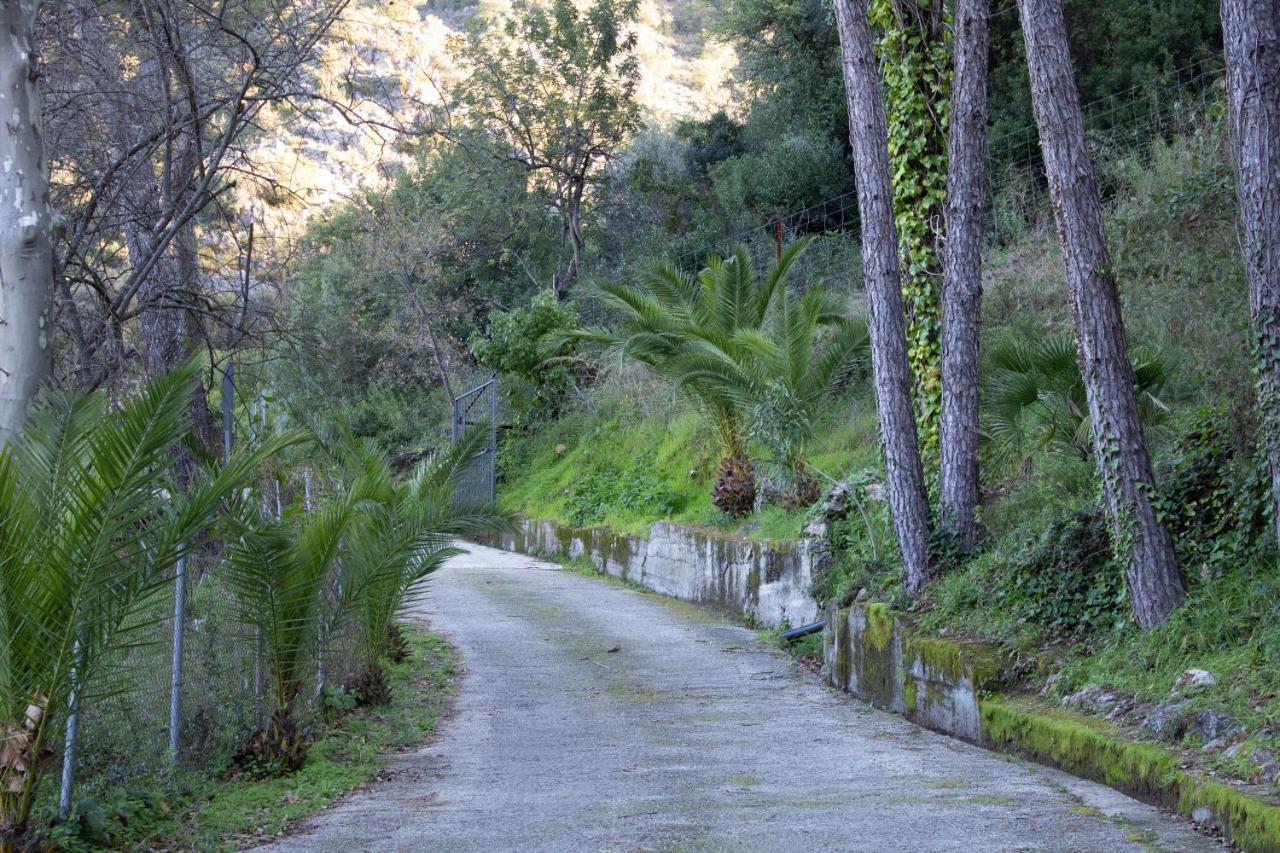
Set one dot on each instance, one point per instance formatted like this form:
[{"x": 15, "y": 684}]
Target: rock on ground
[{"x": 690, "y": 736}]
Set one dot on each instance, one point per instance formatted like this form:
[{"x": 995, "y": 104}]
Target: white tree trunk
[{"x": 26, "y": 226}]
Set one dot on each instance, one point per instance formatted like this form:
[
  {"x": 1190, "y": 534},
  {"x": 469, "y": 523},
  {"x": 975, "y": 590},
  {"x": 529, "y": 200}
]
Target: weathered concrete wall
[
  {"x": 767, "y": 580},
  {"x": 935, "y": 683}
]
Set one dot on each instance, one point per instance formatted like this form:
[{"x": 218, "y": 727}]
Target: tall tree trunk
[
  {"x": 1251, "y": 37},
  {"x": 915, "y": 55},
  {"x": 1155, "y": 586},
  {"x": 892, "y": 372},
  {"x": 26, "y": 229},
  {"x": 962, "y": 273}
]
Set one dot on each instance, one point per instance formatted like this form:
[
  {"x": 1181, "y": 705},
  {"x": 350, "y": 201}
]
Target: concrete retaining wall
[
  {"x": 935, "y": 683},
  {"x": 766, "y": 580}
]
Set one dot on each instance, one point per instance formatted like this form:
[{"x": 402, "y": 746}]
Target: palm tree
[
  {"x": 91, "y": 522},
  {"x": 1035, "y": 395},
  {"x": 666, "y": 313},
  {"x": 782, "y": 374},
  {"x": 402, "y": 540},
  {"x": 278, "y": 571}
]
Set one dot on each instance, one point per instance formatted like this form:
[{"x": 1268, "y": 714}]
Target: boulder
[
  {"x": 834, "y": 505},
  {"x": 1093, "y": 700},
  {"x": 1213, "y": 725},
  {"x": 1193, "y": 681},
  {"x": 1167, "y": 721}
]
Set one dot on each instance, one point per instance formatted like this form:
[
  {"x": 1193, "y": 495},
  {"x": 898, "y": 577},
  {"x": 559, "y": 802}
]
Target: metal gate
[{"x": 478, "y": 408}]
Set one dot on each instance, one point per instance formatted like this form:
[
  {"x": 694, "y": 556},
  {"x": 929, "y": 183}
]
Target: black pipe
[{"x": 804, "y": 630}]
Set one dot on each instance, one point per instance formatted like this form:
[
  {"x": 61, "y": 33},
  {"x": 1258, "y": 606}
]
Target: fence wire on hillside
[
  {"x": 186, "y": 691},
  {"x": 1124, "y": 125}
]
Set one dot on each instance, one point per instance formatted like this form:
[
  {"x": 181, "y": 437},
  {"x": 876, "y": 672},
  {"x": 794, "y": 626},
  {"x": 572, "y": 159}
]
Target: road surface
[{"x": 591, "y": 716}]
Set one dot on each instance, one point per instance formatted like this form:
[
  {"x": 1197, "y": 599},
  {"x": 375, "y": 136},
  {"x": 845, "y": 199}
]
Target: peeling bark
[{"x": 26, "y": 227}]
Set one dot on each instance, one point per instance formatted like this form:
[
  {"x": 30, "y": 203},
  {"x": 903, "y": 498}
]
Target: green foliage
[
  {"x": 203, "y": 814},
  {"x": 1035, "y": 397},
  {"x": 1214, "y": 494},
  {"x": 915, "y": 53},
  {"x": 1066, "y": 581},
  {"x": 536, "y": 379},
  {"x": 634, "y": 488},
  {"x": 404, "y": 534},
  {"x": 91, "y": 521}
]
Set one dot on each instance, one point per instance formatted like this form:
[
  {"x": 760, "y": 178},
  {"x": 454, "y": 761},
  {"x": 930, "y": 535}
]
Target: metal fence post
[
  {"x": 69, "y": 741},
  {"x": 175, "y": 669}
]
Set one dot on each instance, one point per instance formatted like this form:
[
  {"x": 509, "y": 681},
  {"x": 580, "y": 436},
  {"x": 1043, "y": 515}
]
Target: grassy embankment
[{"x": 1045, "y": 583}]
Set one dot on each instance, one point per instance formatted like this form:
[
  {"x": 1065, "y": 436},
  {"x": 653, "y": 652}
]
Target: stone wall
[
  {"x": 766, "y": 580},
  {"x": 871, "y": 654}
]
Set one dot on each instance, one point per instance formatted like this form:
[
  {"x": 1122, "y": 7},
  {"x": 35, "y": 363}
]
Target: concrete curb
[{"x": 943, "y": 685}]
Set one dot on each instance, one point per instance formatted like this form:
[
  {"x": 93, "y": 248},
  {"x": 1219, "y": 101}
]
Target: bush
[
  {"x": 536, "y": 383},
  {"x": 634, "y": 488}
]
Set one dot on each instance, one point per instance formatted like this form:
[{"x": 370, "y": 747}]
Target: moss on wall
[{"x": 1144, "y": 770}]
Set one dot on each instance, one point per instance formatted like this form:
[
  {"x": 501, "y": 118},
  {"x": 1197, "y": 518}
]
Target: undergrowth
[{"x": 201, "y": 813}]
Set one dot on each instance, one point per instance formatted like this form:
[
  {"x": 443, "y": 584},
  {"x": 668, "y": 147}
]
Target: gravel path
[{"x": 591, "y": 716}]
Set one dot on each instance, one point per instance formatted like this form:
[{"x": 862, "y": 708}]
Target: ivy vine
[{"x": 914, "y": 48}]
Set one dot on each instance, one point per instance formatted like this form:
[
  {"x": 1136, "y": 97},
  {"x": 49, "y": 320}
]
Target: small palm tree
[
  {"x": 667, "y": 313},
  {"x": 781, "y": 375},
  {"x": 278, "y": 571},
  {"x": 91, "y": 523},
  {"x": 400, "y": 542},
  {"x": 1034, "y": 396}
]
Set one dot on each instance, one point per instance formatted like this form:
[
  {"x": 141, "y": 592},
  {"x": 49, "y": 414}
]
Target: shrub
[{"x": 536, "y": 381}]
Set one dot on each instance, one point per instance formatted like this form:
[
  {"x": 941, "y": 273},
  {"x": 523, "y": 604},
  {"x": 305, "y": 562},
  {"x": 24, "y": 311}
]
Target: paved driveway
[{"x": 591, "y": 716}]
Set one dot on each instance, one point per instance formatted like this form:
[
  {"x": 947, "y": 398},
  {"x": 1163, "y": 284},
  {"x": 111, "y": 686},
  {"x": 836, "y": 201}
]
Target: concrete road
[{"x": 591, "y": 716}]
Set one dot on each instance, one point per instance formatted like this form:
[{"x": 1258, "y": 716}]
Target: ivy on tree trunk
[
  {"x": 1251, "y": 38},
  {"x": 914, "y": 49},
  {"x": 1138, "y": 533}
]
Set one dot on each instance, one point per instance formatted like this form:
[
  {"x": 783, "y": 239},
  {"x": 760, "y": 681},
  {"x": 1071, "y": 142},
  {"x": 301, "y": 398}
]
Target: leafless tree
[
  {"x": 962, "y": 273},
  {"x": 890, "y": 367},
  {"x": 151, "y": 106},
  {"x": 1155, "y": 585},
  {"x": 1251, "y": 36}
]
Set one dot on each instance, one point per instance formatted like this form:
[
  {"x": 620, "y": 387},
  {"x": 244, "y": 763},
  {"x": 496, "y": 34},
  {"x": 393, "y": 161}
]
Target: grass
[
  {"x": 620, "y": 466},
  {"x": 226, "y": 814}
]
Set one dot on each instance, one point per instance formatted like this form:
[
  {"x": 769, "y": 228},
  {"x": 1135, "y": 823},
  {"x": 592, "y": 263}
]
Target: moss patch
[
  {"x": 1147, "y": 771},
  {"x": 879, "y": 626}
]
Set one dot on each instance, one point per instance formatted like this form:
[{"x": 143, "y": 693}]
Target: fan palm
[
  {"x": 1035, "y": 397},
  {"x": 90, "y": 526},
  {"x": 400, "y": 541},
  {"x": 667, "y": 312}
]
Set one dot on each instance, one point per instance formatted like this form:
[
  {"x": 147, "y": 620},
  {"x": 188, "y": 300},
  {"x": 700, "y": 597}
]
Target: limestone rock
[
  {"x": 834, "y": 505},
  {"x": 1167, "y": 720},
  {"x": 1194, "y": 680},
  {"x": 1093, "y": 700},
  {"x": 1213, "y": 725}
]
